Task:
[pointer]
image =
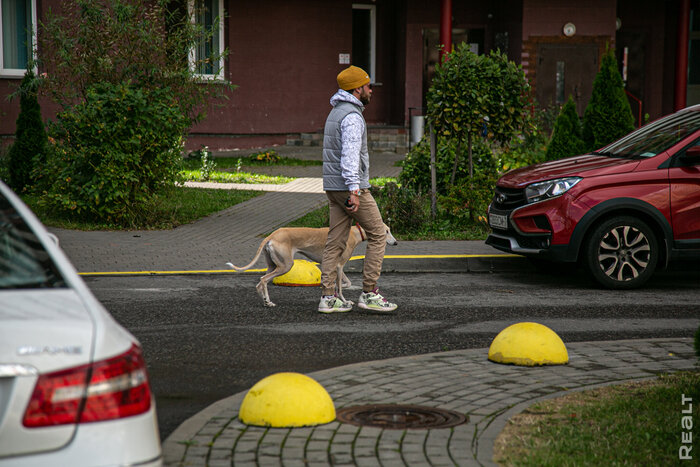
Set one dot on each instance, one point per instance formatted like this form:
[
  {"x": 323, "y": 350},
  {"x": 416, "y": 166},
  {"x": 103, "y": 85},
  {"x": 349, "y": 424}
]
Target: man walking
[{"x": 346, "y": 183}]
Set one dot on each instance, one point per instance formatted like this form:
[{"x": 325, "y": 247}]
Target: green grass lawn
[
  {"x": 234, "y": 177},
  {"x": 233, "y": 169},
  {"x": 638, "y": 423},
  {"x": 180, "y": 206},
  {"x": 250, "y": 161}
]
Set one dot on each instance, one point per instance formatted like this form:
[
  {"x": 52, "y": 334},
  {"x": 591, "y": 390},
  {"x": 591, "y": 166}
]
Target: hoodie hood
[{"x": 344, "y": 96}]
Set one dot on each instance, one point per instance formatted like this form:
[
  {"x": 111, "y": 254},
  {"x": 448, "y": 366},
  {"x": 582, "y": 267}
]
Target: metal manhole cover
[{"x": 400, "y": 417}]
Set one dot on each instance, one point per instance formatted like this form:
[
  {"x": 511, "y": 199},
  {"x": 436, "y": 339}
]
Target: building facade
[{"x": 284, "y": 56}]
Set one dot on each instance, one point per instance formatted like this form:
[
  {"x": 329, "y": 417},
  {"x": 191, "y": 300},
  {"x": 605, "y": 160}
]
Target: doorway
[{"x": 565, "y": 70}]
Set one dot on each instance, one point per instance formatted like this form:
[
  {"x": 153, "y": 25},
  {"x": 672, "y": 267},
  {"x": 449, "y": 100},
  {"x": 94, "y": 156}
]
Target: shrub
[
  {"x": 4, "y": 163},
  {"x": 113, "y": 152},
  {"x": 208, "y": 164},
  {"x": 608, "y": 115},
  {"x": 468, "y": 200},
  {"x": 30, "y": 143},
  {"x": 529, "y": 146},
  {"x": 567, "y": 137},
  {"x": 415, "y": 170},
  {"x": 204, "y": 156},
  {"x": 404, "y": 209},
  {"x": 270, "y": 156}
]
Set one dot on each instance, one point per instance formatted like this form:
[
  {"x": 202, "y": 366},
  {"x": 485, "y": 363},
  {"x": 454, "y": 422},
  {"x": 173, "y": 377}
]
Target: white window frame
[
  {"x": 16, "y": 72},
  {"x": 373, "y": 39},
  {"x": 220, "y": 76}
]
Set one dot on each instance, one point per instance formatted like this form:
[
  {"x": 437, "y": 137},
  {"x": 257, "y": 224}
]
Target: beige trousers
[{"x": 368, "y": 216}]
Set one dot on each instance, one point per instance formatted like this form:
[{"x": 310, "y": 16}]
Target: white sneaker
[
  {"x": 375, "y": 302},
  {"x": 333, "y": 304}
]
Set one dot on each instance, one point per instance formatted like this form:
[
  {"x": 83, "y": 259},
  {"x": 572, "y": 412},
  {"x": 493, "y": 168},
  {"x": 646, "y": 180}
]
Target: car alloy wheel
[{"x": 622, "y": 253}]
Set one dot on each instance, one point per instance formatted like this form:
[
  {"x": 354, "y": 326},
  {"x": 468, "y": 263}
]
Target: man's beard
[{"x": 364, "y": 100}]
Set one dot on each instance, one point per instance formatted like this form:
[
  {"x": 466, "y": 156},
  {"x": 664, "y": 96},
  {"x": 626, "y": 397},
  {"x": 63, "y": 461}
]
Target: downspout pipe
[
  {"x": 681, "y": 85},
  {"x": 446, "y": 28}
]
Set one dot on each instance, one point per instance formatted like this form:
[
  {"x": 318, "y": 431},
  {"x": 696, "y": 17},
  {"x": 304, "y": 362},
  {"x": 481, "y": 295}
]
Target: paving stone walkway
[{"x": 463, "y": 381}]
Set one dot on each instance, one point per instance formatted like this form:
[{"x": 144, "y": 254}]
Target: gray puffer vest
[{"x": 332, "y": 147}]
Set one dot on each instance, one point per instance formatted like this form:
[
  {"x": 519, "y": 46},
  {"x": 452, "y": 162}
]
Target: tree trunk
[
  {"x": 433, "y": 178},
  {"x": 469, "y": 150},
  {"x": 454, "y": 166}
]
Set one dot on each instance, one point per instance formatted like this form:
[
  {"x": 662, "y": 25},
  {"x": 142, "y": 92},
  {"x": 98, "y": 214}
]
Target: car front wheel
[{"x": 622, "y": 253}]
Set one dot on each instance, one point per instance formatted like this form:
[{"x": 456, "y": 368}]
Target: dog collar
[{"x": 359, "y": 229}]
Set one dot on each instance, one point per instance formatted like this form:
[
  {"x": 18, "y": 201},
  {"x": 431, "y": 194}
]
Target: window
[
  {"x": 656, "y": 137},
  {"x": 24, "y": 262},
  {"x": 560, "y": 97},
  {"x": 207, "y": 56},
  {"x": 18, "y": 36},
  {"x": 693, "y": 96},
  {"x": 694, "y": 52},
  {"x": 364, "y": 38}
]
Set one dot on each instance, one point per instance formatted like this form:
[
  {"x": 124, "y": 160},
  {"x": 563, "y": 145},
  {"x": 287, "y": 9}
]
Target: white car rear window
[{"x": 24, "y": 263}]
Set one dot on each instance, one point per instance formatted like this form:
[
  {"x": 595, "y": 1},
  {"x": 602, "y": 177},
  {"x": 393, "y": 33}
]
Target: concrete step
[{"x": 378, "y": 139}]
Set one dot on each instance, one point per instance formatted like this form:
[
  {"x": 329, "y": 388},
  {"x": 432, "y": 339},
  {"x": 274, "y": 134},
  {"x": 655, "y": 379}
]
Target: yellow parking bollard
[
  {"x": 528, "y": 344},
  {"x": 287, "y": 400}
]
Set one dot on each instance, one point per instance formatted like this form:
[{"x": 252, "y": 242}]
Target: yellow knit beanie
[{"x": 352, "y": 78}]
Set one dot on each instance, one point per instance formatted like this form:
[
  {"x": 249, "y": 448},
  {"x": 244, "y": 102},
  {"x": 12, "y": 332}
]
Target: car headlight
[{"x": 549, "y": 189}]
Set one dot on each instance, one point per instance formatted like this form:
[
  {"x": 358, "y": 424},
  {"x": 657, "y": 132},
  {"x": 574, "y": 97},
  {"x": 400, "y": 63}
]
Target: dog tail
[{"x": 255, "y": 259}]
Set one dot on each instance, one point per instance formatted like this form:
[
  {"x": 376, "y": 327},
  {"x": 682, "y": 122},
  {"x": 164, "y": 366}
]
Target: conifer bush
[
  {"x": 567, "y": 137},
  {"x": 29, "y": 147},
  {"x": 608, "y": 115}
]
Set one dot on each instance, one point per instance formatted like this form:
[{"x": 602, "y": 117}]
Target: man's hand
[{"x": 352, "y": 203}]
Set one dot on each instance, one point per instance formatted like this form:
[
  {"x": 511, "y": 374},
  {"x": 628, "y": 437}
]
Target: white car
[{"x": 73, "y": 384}]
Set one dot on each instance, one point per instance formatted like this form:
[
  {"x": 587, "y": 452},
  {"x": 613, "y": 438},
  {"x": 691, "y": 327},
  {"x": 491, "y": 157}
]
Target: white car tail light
[{"x": 118, "y": 388}]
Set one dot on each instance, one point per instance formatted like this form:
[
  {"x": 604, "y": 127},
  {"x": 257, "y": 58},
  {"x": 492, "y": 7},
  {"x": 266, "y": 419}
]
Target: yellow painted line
[
  {"x": 144, "y": 273},
  {"x": 440, "y": 256},
  {"x": 213, "y": 271}
]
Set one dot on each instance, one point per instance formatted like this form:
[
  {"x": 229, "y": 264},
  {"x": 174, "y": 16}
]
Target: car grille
[{"x": 508, "y": 199}]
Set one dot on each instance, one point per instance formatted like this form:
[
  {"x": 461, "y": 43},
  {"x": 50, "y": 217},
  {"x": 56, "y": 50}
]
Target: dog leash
[{"x": 359, "y": 229}]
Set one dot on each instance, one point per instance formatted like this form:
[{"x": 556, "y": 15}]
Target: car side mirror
[{"x": 693, "y": 153}]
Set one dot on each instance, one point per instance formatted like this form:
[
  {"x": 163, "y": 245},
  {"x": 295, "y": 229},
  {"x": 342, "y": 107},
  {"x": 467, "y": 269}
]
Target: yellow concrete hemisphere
[
  {"x": 303, "y": 273},
  {"x": 287, "y": 400},
  {"x": 528, "y": 344}
]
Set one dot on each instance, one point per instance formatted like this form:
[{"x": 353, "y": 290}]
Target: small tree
[
  {"x": 143, "y": 42},
  {"x": 474, "y": 95},
  {"x": 30, "y": 136},
  {"x": 608, "y": 115},
  {"x": 121, "y": 72},
  {"x": 567, "y": 138}
]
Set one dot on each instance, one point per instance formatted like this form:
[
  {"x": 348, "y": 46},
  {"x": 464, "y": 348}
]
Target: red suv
[{"x": 622, "y": 211}]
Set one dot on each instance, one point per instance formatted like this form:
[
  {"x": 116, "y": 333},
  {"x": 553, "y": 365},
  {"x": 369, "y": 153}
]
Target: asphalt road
[{"x": 207, "y": 337}]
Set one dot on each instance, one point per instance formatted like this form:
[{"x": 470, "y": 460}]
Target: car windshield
[
  {"x": 656, "y": 137},
  {"x": 24, "y": 263}
]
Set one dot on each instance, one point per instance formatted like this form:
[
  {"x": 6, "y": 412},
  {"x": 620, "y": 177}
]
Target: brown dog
[{"x": 282, "y": 244}]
